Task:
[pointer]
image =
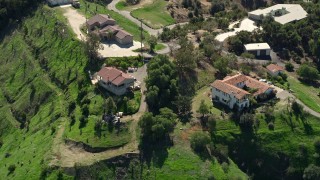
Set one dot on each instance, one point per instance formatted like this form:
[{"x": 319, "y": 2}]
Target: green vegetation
[
  {"x": 121, "y": 5},
  {"x": 129, "y": 103},
  {"x": 154, "y": 15},
  {"x": 124, "y": 62},
  {"x": 123, "y": 22},
  {"x": 311, "y": 98},
  {"x": 111, "y": 136},
  {"x": 159, "y": 47},
  {"x": 42, "y": 64}
]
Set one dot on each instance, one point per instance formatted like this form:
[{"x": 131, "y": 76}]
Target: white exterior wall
[
  {"x": 229, "y": 100},
  {"x": 258, "y": 52}
]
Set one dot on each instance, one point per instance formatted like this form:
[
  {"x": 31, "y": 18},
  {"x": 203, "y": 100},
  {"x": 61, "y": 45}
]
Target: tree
[
  {"x": 212, "y": 123},
  {"x": 297, "y": 109},
  {"x": 199, "y": 140},
  {"x": 157, "y": 127},
  {"x": 111, "y": 107},
  {"x": 152, "y": 41},
  {"x": 316, "y": 145},
  {"x": 11, "y": 168},
  {"x": 184, "y": 106},
  {"x": 161, "y": 83},
  {"x": 289, "y": 67},
  {"x": 98, "y": 128},
  {"x": 92, "y": 46},
  {"x": 246, "y": 122},
  {"x": 312, "y": 172},
  {"x": 203, "y": 108},
  {"x": 223, "y": 64},
  {"x": 308, "y": 73}
]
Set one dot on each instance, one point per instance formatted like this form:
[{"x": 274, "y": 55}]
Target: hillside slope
[{"x": 40, "y": 62}]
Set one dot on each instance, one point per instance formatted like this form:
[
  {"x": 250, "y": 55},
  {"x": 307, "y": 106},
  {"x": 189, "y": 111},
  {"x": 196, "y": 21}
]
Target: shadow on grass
[{"x": 155, "y": 151}]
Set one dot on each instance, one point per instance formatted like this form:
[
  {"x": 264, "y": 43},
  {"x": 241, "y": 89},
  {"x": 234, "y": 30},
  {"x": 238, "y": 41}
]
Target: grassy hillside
[{"x": 40, "y": 63}]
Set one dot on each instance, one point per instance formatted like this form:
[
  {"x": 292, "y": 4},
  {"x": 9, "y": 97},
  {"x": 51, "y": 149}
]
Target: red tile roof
[
  {"x": 228, "y": 85},
  {"x": 113, "y": 75},
  {"x": 229, "y": 89},
  {"x": 235, "y": 79},
  {"x": 255, "y": 84},
  {"x": 274, "y": 68}
]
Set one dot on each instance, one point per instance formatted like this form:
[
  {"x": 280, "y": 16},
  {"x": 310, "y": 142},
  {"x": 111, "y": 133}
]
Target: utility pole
[{"x": 141, "y": 40}]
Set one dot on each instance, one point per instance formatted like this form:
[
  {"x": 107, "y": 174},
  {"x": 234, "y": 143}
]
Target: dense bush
[{"x": 199, "y": 141}]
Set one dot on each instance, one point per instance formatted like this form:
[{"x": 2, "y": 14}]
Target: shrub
[
  {"x": 11, "y": 168},
  {"x": 316, "y": 145},
  {"x": 225, "y": 167},
  {"x": 53, "y": 130},
  {"x": 1, "y": 143},
  {"x": 271, "y": 126},
  {"x": 289, "y": 67},
  {"x": 199, "y": 140}
]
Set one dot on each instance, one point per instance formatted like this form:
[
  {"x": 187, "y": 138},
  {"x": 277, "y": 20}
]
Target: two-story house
[
  {"x": 115, "y": 80},
  {"x": 233, "y": 90}
]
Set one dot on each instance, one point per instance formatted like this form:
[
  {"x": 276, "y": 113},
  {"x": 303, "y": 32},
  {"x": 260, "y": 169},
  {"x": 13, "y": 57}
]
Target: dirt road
[{"x": 75, "y": 19}]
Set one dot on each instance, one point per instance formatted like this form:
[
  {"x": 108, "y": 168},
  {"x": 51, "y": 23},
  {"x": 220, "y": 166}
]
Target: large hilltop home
[
  {"x": 107, "y": 29},
  {"x": 282, "y": 13},
  {"x": 258, "y": 49},
  {"x": 234, "y": 91},
  {"x": 114, "y": 80}
]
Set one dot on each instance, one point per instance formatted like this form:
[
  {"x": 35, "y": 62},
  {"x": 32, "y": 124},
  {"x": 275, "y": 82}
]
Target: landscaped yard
[
  {"x": 110, "y": 137},
  {"x": 307, "y": 94},
  {"x": 123, "y": 22},
  {"x": 154, "y": 15}
]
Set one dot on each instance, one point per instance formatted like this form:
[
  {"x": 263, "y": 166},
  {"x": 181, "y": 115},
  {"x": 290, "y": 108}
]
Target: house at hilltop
[
  {"x": 234, "y": 91},
  {"x": 114, "y": 80},
  {"x": 282, "y": 13},
  {"x": 107, "y": 29},
  {"x": 258, "y": 49}
]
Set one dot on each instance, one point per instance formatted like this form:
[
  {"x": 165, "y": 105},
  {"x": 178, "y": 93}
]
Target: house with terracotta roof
[
  {"x": 99, "y": 21},
  {"x": 274, "y": 69},
  {"x": 107, "y": 29},
  {"x": 114, "y": 80},
  {"x": 236, "y": 90}
]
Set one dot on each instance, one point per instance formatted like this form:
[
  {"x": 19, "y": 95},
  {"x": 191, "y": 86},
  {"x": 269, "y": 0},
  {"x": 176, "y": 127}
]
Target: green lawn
[
  {"x": 159, "y": 47},
  {"x": 121, "y": 5},
  {"x": 154, "y": 15},
  {"x": 110, "y": 137},
  {"x": 307, "y": 94},
  {"x": 123, "y": 22}
]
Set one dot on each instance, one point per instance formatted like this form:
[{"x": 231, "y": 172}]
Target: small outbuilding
[
  {"x": 258, "y": 49},
  {"x": 274, "y": 70}
]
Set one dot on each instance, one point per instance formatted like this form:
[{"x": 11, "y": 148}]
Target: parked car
[{"x": 76, "y": 4}]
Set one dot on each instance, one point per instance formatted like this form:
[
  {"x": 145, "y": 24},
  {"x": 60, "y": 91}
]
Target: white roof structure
[
  {"x": 288, "y": 12},
  {"x": 256, "y": 46}
]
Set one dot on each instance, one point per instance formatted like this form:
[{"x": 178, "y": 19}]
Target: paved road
[
  {"x": 155, "y": 32},
  {"x": 284, "y": 94},
  {"x": 140, "y": 75}
]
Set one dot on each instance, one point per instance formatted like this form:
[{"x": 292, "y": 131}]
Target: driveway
[
  {"x": 245, "y": 25},
  {"x": 114, "y": 50},
  {"x": 140, "y": 75},
  {"x": 284, "y": 94}
]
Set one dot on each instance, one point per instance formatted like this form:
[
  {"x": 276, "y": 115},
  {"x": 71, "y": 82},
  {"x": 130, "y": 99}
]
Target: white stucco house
[
  {"x": 258, "y": 49},
  {"x": 282, "y": 13},
  {"x": 274, "y": 70},
  {"x": 231, "y": 90},
  {"x": 114, "y": 80}
]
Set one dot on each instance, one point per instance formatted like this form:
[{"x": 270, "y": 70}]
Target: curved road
[{"x": 127, "y": 14}]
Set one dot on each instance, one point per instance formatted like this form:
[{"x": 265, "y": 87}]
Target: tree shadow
[{"x": 155, "y": 152}]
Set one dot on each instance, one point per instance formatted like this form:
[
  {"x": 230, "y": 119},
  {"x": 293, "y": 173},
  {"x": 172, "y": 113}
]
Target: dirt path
[
  {"x": 67, "y": 155},
  {"x": 75, "y": 20}
]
